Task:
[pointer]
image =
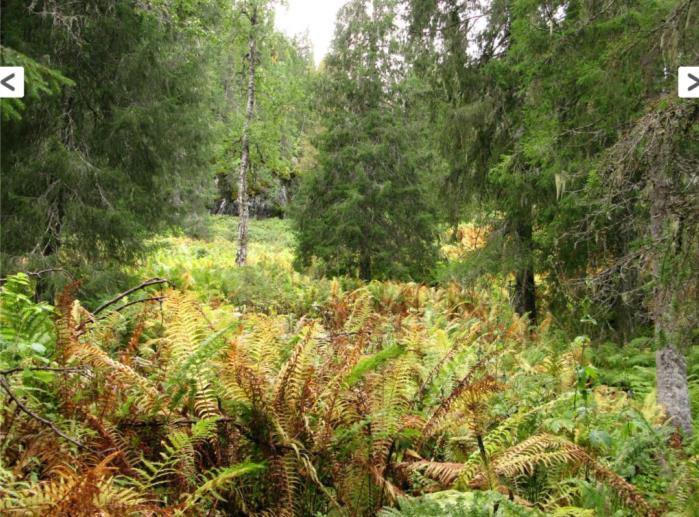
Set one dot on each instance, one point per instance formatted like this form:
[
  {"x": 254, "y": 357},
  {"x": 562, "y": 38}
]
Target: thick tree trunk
[
  {"x": 672, "y": 389},
  {"x": 525, "y": 286},
  {"x": 671, "y": 367},
  {"x": 243, "y": 205}
]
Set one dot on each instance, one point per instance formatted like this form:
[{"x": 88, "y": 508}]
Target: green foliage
[
  {"x": 282, "y": 113},
  {"x": 364, "y": 211},
  {"x": 121, "y": 148},
  {"x": 372, "y": 394},
  {"x": 26, "y": 328},
  {"x": 371, "y": 363},
  {"x": 457, "y": 504},
  {"x": 267, "y": 282},
  {"x": 270, "y": 389},
  {"x": 39, "y": 80},
  {"x": 533, "y": 99}
]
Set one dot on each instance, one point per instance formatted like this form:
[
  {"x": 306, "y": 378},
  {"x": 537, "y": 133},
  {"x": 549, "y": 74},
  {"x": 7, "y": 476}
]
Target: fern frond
[
  {"x": 445, "y": 473},
  {"x": 472, "y": 391},
  {"x": 214, "y": 482},
  {"x": 144, "y": 391}
]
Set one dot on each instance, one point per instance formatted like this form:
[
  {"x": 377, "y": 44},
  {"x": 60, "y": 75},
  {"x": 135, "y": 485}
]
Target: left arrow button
[
  {"x": 11, "y": 81},
  {"x": 6, "y": 82}
]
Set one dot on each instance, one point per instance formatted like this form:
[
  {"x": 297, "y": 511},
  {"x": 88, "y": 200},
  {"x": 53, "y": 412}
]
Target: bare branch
[
  {"x": 38, "y": 273},
  {"x": 142, "y": 300},
  {"x": 5, "y": 386},
  {"x": 147, "y": 283},
  {"x": 79, "y": 370}
]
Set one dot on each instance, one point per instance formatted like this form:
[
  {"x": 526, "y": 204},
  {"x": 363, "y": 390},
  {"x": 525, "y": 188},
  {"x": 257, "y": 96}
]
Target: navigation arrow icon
[
  {"x": 696, "y": 81},
  {"x": 11, "y": 81},
  {"x": 688, "y": 82},
  {"x": 6, "y": 82}
]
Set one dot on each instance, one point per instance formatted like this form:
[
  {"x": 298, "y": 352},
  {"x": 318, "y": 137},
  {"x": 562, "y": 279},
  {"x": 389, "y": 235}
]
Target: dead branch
[
  {"x": 5, "y": 386},
  {"x": 79, "y": 370},
  {"x": 38, "y": 273},
  {"x": 147, "y": 283},
  {"x": 141, "y": 300}
]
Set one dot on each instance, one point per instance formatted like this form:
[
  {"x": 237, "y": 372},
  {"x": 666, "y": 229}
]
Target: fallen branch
[
  {"x": 161, "y": 423},
  {"x": 79, "y": 370},
  {"x": 147, "y": 283},
  {"x": 5, "y": 386}
]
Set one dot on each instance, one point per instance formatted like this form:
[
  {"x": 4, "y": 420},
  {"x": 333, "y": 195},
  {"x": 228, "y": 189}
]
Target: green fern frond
[{"x": 213, "y": 483}]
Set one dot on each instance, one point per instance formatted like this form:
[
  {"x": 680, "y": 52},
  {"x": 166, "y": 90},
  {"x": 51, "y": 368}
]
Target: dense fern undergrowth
[{"x": 261, "y": 391}]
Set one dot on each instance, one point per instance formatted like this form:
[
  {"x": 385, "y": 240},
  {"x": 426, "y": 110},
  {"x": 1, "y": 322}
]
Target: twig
[
  {"x": 5, "y": 386},
  {"x": 38, "y": 273},
  {"x": 42, "y": 271},
  {"x": 43, "y": 369},
  {"x": 142, "y": 300},
  {"x": 159, "y": 423},
  {"x": 152, "y": 281}
]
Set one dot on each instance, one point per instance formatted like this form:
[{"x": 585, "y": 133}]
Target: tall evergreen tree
[
  {"x": 363, "y": 211},
  {"x": 122, "y": 148},
  {"x": 548, "y": 103},
  {"x": 461, "y": 46}
]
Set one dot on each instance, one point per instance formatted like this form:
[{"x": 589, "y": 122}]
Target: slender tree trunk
[
  {"x": 365, "y": 265},
  {"x": 55, "y": 216},
  {"x": 224, "y": 203},
  {"x": 243, "y": 206},
  {"x": 525, "y": 286},
  {"x": 671, "y": 366}
]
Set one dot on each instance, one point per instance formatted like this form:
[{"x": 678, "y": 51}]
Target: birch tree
[{"x": 252, "y": 13}]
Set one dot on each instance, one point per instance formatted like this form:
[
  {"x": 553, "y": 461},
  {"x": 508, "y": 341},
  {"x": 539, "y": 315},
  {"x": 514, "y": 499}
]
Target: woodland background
[{"x": 452, "y": 270}]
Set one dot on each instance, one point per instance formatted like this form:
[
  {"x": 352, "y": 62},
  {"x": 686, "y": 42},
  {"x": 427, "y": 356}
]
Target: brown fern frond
[
  {"x": 134, "y": 340},
  {"x": 445, "y": 473},
  {"x": 146, "y": 393},
  {"x": 388, "y": 488},
  {"x": 629, "y": 493},
  {"x": 113, "y": 440},
  {"x": 466, "y": 389},
  {"x": 71, "y": 493},
  {"x": 66, "y": 328},
  {"x": 549, "y": 450}
]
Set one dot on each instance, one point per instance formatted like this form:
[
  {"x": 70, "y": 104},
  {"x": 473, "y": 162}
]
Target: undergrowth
[{"x": 278, "y": 394}]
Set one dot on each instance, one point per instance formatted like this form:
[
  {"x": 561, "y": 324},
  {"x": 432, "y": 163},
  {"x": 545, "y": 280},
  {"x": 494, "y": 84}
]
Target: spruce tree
[
  {"x": 113, "y": 140},
  {"x": 364, "y": 211}
]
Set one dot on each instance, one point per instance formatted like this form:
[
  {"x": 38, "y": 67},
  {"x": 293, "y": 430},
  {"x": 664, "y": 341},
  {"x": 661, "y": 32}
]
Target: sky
[{"x": 315, "y": 16}]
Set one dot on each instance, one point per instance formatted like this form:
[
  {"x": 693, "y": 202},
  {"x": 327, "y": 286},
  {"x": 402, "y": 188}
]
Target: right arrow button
[
  {"x": 696, "y": 81},
  {"x": 688, "y": 82}
]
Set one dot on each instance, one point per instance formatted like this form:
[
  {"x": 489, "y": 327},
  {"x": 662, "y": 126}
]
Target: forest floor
[{"x": 263, "y": 388}]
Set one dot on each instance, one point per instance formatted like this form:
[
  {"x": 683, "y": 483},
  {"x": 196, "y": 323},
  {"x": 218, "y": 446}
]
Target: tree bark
[
  {"x": 365, "y": 265},
  {"x": 243, "y": 206},
  {"x": 224, "y": 204},
  {"x": 525, "y": 285},
  {"x": 55, "y": 216},
  {"x": 671, "y": 367}
]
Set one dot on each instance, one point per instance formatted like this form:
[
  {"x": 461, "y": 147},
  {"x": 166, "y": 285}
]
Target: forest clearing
[{"x": 441, "y": 262}]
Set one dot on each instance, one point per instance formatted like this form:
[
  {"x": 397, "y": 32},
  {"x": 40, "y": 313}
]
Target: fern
[{"x": 213, "y": 483}]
